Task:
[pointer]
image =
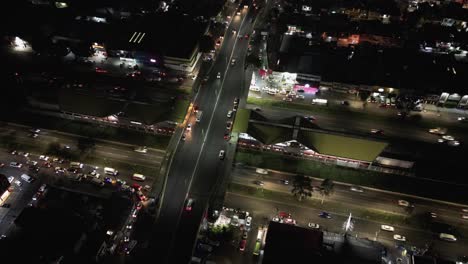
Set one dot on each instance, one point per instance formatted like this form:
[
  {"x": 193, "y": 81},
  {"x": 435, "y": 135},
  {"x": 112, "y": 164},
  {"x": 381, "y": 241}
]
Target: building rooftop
[
  {"x": 299, "y": 54},
  {"x": 168, "y": 34},
  {"x": 287, "y": 243},
  {"x": 291, "y": 244}
]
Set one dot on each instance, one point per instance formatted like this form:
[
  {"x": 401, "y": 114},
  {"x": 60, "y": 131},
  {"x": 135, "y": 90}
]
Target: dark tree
[
  {"x": 253, "y": 60},
  {"x": 302, "y": 187}
]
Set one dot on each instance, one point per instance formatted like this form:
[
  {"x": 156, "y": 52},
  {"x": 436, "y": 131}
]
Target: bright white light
[
  {"x": 19, "y": 42},
  {"x": 152, "y": 60},
  {"x": 381, "y": 90}
]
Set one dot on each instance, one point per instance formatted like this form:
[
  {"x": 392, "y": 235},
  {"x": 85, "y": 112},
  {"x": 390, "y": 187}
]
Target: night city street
[{"x": 234, "y": 131}]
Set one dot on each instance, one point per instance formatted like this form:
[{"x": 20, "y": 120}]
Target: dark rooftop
[
  {"x": 300, "y": 55},
  {"x": 292, "y": 244},
  {"x": 167, "y": 34}
]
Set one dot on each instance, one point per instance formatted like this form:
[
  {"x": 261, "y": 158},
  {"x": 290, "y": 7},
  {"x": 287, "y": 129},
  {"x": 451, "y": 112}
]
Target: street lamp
[{"x": 348, "y": 225}]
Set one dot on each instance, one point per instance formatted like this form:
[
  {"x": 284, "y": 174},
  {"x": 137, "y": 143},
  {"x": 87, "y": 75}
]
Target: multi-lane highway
[
  {"x": 196, "y": 168},
  {"x": 114, "y": 152},
  {"x": 383, "y": 201},
  {"x": 266, "y": 209}
]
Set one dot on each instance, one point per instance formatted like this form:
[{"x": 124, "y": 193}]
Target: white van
[
  {"x": 199, "y": 115},
  {"x": 447, "y": 237},
  {"x": 138, "y": 177},
  {"x": 26, "y": 178},
  {"x": 75, "y": 164},
  {"x": 110, "y": 171}
]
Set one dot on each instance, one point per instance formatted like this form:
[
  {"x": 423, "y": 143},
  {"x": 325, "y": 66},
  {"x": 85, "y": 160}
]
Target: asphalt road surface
[
  {"x": 196, "y": 165},
  {"x": 115, "y": 151},
  {"x": 261, "y": 209},
  {"x": 379, "y": 200}
]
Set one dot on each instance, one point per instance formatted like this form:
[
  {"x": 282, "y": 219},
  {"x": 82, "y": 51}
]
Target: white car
[
  {"x": 313, "y": 225},
  {"x": 16, "y": 165},
  {"x": 248, "y": 221},
  {"x": 189, "y": 126},
  {"x": 17, "y": 182},
  {"x": 448, "y": 137},
  {"x": 141, "y": 149},
  {"x": 218, "y": 75},
  {"x": 447, "y": 237},
  {"x": 221, "y": 154},
  {"x": 233, "y": 62},
  {"x": 464, "y": 216},
  {"x": 453, "y": 143},
  {"x": 11, "y": 179},
  {"x": 403, "y": 203},
  {"x": 26, "y": 154},
  {"x": 387, "y": 228},
  {"x": 229, "y": 114},
  {"x": 465, "y": 210},
  {"x": 399, "y": 237},
  {"x": 438, "y": 131},
  {"x": 356, "y": 189},
  {"x": 261, "y": 171},
  {"x": 43, "y": 157}
]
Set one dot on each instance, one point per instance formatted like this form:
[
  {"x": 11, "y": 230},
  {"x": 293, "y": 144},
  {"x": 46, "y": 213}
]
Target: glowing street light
[{"x": 348, "y": 225}]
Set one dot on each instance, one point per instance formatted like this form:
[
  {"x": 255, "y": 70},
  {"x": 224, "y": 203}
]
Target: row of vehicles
[{"x": 442, "y": 236}]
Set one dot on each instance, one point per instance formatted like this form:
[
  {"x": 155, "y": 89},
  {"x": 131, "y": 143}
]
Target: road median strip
[{"x": 315, "y": 203}]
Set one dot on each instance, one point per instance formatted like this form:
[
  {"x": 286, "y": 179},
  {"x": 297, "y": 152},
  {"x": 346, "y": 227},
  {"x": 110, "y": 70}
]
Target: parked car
[
  {"x": 43, "y": 157},
  {"x": 221, "y": 154},
  {"x": 248, "y": 221},
  {"x": 242, "y": 244}
]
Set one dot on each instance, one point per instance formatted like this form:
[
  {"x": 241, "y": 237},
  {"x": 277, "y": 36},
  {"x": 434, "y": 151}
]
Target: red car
[
  {"x": 100, "y": 70},
  {"x": 189, "y": 205},
  {"x": 242, "y": 244},
  {"x": 284, "y": 215}
]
